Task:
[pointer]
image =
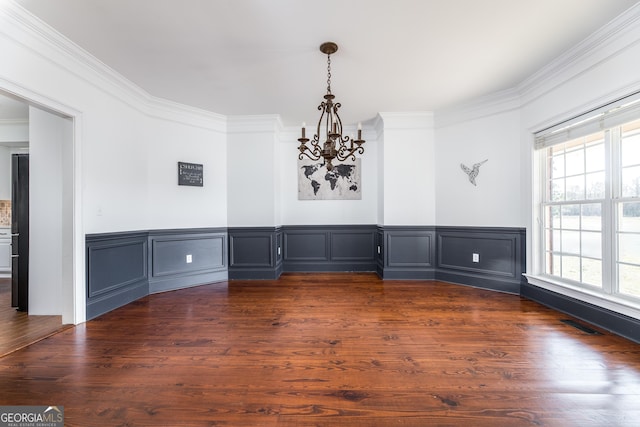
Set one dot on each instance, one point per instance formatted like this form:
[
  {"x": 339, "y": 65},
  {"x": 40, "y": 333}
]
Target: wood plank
[
  {"x": 329, "y": 350},
  {"x": 20, "y": 329}
]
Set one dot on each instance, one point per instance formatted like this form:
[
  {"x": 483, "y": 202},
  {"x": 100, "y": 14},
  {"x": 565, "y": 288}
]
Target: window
[
  {"x": 627, "y": 208},
  {"x": 590, "y": 204}
]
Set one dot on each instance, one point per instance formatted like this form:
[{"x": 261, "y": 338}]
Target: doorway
[{"x": 53, "y": 246}]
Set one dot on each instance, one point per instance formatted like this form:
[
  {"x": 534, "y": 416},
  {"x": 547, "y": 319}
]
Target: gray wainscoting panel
[
  {"x": 352, "y": 245},
  {"x": 125, "y": 266},
  {"x": 255, "y": 253},
  {"x": 117, "y": 270},
  {"x": 500, "y": 256},
  {"x": 408, "y": 252},
  {"x": 329, "y": 248},
  {"x": 306, "y": 245},
  {"x": 170, "y": 254},
  {"x": 170, "y": 270}
]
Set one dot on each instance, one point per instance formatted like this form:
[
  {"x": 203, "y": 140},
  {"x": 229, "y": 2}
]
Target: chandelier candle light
[{"x": 335, "y": 145}]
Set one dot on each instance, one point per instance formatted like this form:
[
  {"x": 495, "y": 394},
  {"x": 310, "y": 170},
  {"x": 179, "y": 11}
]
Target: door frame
[{"x": 73, "y": 301}]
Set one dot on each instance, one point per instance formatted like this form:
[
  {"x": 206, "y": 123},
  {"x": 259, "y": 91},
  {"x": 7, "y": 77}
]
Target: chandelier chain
[{"x": 328, "y": 73}]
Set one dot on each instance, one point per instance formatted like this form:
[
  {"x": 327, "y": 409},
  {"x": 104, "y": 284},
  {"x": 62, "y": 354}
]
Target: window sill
[{"x": 609, "y": 302}]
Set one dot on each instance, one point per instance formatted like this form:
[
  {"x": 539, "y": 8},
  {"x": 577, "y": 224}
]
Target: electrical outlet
[
  {"x": 476, "y": 258},
  {"x": 189, "y": 259}
]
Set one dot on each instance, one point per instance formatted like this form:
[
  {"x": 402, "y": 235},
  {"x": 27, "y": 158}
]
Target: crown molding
[
  {"x": 13, "y": 130},
  {"x": 405, "y": 120},
  {"x": 75, "y": 60},
  {"x": 609, "y": 40},
  {"x": 14, "y": 122},
  {"x": 620, "y": 33},
  {"x": 254, "y": 123},
  {"x": 485, "y": 106}
]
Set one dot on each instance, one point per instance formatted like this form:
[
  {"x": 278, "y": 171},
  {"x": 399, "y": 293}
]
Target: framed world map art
[{"x": 315, "y": 182}]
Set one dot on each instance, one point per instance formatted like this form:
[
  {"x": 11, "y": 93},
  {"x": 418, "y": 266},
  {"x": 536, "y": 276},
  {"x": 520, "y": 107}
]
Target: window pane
[
  {"x": 575, "y": 188},
  {"x": 571, "y": 242},
  {"x": 630, "y": 150},
  {"x": 571, "y": 217},
  {"x": 557, "y": 166},
  {"x": 595, "y": 158},
  {"x": 552, "y": 216},
  {"x": 629, "y": 248},
  {"x": 629, "y": 282},
  {"x": 629, "y": 217},
  {"x": 557, "y": 190},
  {"x": 548, "y": 240},
  {"x": 631, "y": 182},
  {"x": 591, "y": 244},
  {"x": 574, "y": 162},
  {"x": 571, "y": 267},
  {"x": 595, "y": 185},
  {"x": 592, "y": 217},
  {"x": 592, "y": 272},
  {"x": 557, "y": 266}
]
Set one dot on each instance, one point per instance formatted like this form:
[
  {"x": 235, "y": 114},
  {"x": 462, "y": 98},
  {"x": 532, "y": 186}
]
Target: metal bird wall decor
[{"x": 473, "y": 171}]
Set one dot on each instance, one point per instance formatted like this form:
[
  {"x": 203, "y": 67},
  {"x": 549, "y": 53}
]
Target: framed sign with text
[{"x": 190, "y": 174}]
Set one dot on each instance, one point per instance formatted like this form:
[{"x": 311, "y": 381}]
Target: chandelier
[{"x": 335, "y": 144}]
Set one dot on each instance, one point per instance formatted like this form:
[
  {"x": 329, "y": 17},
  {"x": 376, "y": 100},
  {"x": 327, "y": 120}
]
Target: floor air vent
[{"x": 583, "y": 328}]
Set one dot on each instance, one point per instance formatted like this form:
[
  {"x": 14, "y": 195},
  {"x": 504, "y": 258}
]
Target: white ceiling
[{"x": 261, "y": 56}]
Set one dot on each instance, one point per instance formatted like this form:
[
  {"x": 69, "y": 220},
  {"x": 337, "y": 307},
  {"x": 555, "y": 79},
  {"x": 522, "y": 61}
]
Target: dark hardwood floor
[
  {"x": 329, "y": 350},
  {"x": 18, "y": 329}
]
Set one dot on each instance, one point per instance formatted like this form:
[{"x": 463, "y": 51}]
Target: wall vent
[{"x": 581, "y": 327}]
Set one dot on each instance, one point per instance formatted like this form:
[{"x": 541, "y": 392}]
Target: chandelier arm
[
  {"x": 300, "y": 156},
  {"x": 350, "y": 154},
  {"x": 322, "y": 107},
  {"x": 315, "y": 143}
]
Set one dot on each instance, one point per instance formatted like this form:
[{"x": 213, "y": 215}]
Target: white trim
[
  {"x": 606, "y": 42},
  {"x": 609, "y": 302},
  {"x": 254, "y": 124},
  {"x": 486, "y": 106},
  {"x": 78, "y": 62},
  {"x": 79, "y": 314},
  {"x": 73, "y": 312},
  {"x": 407, "y": 120},
  {"x": 14, "y": 122}
]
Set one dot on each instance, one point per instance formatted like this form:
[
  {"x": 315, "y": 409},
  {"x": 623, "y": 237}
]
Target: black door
[{"x": 20, "y": 231}]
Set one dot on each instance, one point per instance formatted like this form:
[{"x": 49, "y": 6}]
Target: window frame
[{"x": 608, "y": 119}]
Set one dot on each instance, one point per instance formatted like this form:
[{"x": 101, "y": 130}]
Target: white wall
[
  {"x": 381, "y": 149},
  {"x": 327, "y": 212},
  {"x": 125, "y": 135},
  {"x": 5, "y": 173},
  {"x": 408, "y": 164},
  {"x": 50, "y": 239},
  {"x": 253, "y": 171},
  {"x": 11, "y": 131},
  {"x": 496, "y": 200},
  {"x": 184, "y": 206}
]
